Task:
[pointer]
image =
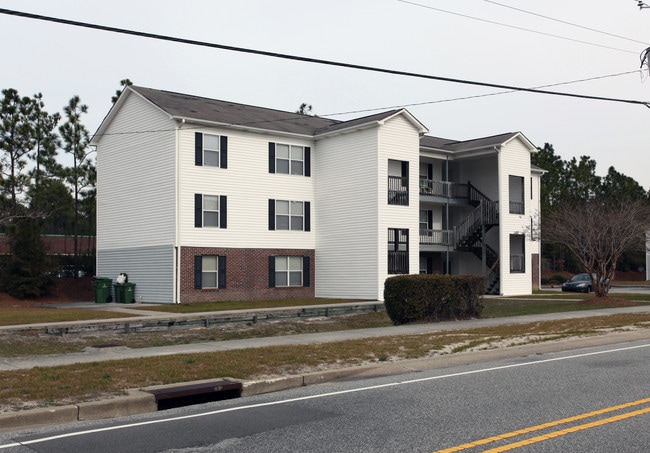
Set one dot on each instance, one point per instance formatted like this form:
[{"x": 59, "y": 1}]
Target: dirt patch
[
  {"x": 65, "y": 290},
  {"x": 608, "y": 302}
]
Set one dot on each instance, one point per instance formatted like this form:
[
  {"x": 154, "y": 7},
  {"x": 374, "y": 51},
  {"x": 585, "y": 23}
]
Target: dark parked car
[{"x": 580, "y": 283}]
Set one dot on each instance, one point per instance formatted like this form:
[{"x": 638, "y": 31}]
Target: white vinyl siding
[
  {"x": 135, "y": 178},
  {"x": 514, "y": 160},
  {"x": 151, "y": 269},
  {"x": 248, "y": 186},
  {"x": 346, "y": 219}
]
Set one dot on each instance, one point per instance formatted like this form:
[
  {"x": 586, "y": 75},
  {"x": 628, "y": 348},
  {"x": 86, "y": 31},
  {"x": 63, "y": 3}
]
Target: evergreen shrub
[{"x": 427, "y": 298}]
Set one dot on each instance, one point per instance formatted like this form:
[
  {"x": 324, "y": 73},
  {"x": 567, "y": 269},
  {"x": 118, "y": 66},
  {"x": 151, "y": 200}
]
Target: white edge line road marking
[{"x": 324, "y": 395}]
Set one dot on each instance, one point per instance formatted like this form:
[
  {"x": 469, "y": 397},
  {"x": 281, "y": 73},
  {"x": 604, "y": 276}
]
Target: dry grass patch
[
  {"x": 30, "y": 342},
  {"x": 12, "y": 316},
  {"x": 83, "y": 382}
]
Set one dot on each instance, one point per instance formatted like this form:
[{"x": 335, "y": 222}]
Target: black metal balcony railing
[
  {"x": 398, "y": 190},
  {"x": 443, "y": 188},
  {"x": 517, "y": 263},
  {"x": 398, "y": 262},
  {"x": 516, "y": 207},
  {"x": 436, "y": 237}
]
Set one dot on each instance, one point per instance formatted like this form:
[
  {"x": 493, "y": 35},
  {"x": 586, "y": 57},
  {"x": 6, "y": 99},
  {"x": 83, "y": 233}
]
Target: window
[
  {"x": 398, "y": 182},
  {"x": 516, "y": 194},
  {"x": 289, "y": 215},
  {"x": 289, "y": 159},
  {"x": 210, "y": 211},
  {"x": 517, "y": 253},
  {"x": 398, "y": 251},
  {"x": 210, "y": 150},
  {"x": 288, "y": 271},
  {"x": 209, "y": 272}
]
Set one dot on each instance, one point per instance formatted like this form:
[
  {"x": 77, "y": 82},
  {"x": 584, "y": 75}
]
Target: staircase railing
[{"x": 486, "y": 213}]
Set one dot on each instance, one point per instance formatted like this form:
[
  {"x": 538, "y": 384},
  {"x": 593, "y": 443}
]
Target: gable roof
[
  {"x": 191, "y": 108},
  {"x": 473, "y": 144}
]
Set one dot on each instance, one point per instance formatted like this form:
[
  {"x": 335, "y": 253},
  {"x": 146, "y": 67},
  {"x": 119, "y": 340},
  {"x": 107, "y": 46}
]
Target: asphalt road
[{"x": 583, "y": 400}]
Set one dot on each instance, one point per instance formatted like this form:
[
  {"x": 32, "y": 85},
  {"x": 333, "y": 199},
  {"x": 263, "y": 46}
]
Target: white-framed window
[
  {"x": 289, "y": 215},
  {"x": 210, "y": 211},
  {"x": 209, "y": 271},
  {"x": 289, "y": 271},
  {"x": 289, "y": 159},
  {"x": 210, "y": 150}
]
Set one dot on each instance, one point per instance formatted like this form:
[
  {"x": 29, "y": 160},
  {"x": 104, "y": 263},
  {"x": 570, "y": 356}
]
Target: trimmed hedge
[{"x": 426, "y": 297}]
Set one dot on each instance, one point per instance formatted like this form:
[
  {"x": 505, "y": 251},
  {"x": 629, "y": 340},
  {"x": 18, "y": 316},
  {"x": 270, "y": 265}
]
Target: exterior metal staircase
[{"x": 469, "y": 235}]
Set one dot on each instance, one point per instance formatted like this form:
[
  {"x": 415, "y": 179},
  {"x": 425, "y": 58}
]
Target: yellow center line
[
  {"x": 551, "y": 425},
  {"x": 573, "y": 429}
]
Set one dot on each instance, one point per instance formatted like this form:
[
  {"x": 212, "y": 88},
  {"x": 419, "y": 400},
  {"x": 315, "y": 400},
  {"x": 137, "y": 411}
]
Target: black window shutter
[
  {"x": 223, "y": 211},
  {"x": 405, "y": 169},
  {"x": 198, "y": 269},
  {"x": 429, "y": 265},
  {"x": 223, "y": 158},
  {"x": 307, "y": 216},
  {"x": 198, "y": 210},
  {"x": 198, "y": 148},
  {"x": 429, "y": 171},
  {"x": 222, "y": 271},
  {"x": 271, "y": 271},
  {"x": 271, "y": 157},
  {"x": 307, "y": 161},
  {"x": 305, "y": 271},
  {"x": 429, "y": 219},
  {"x": 271, "y": 214}
]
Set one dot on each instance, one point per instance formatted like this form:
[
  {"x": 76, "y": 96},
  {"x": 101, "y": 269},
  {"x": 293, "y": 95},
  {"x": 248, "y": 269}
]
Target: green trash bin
[
  {"x": 102, "y": 287},
  {"x": 124, "y": 293}
]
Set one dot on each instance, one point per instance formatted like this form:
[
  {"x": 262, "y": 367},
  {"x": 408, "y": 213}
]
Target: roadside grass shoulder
[{"x": 39, "y": 387}]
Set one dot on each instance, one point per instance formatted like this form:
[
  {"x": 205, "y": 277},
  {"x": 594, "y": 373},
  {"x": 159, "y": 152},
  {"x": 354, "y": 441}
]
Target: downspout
[
  {"x": 447, "y": 270},
  {"x": 501, "y": 239},
  {"x": 177, "y": 247}
]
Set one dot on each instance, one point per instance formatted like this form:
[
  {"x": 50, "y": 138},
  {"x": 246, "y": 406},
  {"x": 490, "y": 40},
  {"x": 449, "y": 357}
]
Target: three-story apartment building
[{"x": 200, "y": 200}]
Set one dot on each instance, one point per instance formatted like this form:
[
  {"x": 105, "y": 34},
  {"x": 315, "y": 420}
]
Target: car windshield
[{"x": 581, "y": 278}]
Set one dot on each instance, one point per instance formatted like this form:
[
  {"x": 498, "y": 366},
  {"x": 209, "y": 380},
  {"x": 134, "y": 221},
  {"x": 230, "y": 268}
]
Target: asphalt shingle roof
[{"x": 199, "y": 108}]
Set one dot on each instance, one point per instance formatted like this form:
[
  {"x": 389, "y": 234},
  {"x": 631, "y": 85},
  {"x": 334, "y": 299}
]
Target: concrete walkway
[
  {"x": 98, "y": 354},
  {"x": 142, "y": 401}
]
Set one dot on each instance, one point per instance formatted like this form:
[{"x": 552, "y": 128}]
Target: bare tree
[{"x": 598, "y": 231}]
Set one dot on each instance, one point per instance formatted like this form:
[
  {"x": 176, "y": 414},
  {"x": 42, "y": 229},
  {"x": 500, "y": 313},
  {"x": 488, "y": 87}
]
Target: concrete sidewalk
[{"x": 138, "y": 401}]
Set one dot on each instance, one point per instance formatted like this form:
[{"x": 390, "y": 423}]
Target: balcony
[
  {"x": 436, "y": 237},
  {"x": 398, "y": 190},
  {"x": 444, "y": 189}
]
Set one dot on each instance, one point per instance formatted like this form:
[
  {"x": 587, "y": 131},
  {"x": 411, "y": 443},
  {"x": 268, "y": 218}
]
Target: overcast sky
[{"x": 474, "y": 40}]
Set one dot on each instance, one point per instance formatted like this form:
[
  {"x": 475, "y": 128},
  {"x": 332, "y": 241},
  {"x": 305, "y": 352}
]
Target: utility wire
[
  {"x": 565, "y": 22},
  {"x": 514, "y": 26},
  {"x": 440, "y": 101},
  {"x": 309, "y": 59},
  {"x": 328, "y": 115}
]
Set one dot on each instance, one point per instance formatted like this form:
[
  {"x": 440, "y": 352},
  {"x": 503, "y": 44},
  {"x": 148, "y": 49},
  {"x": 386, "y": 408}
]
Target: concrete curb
[{"x": 139, "y": 401}]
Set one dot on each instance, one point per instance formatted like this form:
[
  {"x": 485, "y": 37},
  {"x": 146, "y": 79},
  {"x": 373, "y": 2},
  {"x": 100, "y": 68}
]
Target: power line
[
  {"x": 514, "y": 26},
  {"x": 327, "y": 115},
  {"x": 564, "y": 22},
  {"x": 464, "y": 98},
  {"x": 309, "y": 59}
]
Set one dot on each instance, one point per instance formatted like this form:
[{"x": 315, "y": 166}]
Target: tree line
[
  {"x": 39, "y": 195},
  {"x": 590, "y": 223}
]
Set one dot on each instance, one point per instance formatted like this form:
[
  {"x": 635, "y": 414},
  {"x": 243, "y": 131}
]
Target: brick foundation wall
[{"x": 247, "y": 275}]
